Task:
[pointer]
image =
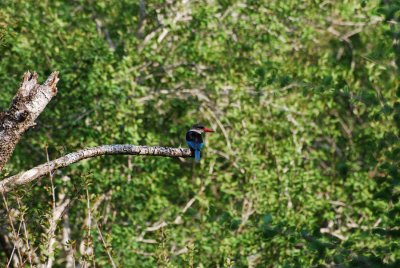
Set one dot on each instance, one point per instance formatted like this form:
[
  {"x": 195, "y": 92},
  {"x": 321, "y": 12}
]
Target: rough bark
[
  {"x": 118, "y": 149},
  {"x": 28, "y": 103}
]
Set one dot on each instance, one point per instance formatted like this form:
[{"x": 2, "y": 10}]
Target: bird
[{"x": 194, "y": 139}]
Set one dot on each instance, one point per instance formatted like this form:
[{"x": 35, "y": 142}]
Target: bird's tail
[{"x": 197, "y": 155}]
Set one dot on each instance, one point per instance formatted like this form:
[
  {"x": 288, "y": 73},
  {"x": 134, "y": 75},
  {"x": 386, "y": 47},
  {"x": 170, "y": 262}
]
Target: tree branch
[
  {"x": 117, "y": 149},
  {"x": 28, "y": 103}
]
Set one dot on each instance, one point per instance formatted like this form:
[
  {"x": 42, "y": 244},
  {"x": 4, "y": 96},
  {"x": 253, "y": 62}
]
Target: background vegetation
[{"x": 304, "y": 95}]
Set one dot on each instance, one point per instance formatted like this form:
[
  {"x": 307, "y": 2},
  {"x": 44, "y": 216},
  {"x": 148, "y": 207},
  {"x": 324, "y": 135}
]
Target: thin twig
[
  {"x": 16, "y": 238},
  {"x": 51, "y": 181},
  {"x": 105, "y": 246},
  {"x": 26, "y": 234}
]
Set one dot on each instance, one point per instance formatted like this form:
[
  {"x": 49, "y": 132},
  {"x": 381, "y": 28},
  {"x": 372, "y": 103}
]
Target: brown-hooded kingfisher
[{"x": 194, "y": 139}]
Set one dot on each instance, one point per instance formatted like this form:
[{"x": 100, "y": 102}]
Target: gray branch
[
  {"x": 28, "y": 103},
  {"x": 25, "y": 177},
  {"x": 30, "y": 100}
]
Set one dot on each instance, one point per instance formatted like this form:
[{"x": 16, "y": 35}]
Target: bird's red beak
[{"x": 208, "y": 130}]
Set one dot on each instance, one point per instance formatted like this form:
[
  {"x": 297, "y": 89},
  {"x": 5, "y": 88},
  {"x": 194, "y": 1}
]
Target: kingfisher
[{"x": 194, "y": 139}]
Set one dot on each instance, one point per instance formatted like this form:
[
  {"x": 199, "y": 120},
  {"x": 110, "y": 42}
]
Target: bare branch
[
  {"x": 106, "y": 248},
  {"x": 86, "y": 245},
  {"x": 117, "y": 149},
  {"x": 50, "y": 233},
  {"x": 28, "y": 103},
  {"x": 16, "y": 238}
]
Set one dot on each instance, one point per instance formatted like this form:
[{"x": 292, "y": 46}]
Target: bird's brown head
[{"x": 202, "y": 128}]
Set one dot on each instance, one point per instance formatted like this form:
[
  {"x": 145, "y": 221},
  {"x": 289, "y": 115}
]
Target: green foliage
[{"x": 304, "y": 167}]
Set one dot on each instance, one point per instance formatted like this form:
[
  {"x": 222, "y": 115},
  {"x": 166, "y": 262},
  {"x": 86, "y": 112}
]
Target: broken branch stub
[{"x": 27, "y": 105}]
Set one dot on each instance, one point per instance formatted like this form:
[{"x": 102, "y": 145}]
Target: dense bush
[{"x": 304, "y": 95}]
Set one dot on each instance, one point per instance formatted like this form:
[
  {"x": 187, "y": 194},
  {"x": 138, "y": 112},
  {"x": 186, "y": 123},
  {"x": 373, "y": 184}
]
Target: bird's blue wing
[
  {"x": 196, "y": 147},
  {"x": 190, "y": 144}
]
